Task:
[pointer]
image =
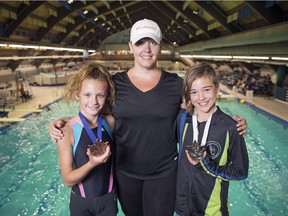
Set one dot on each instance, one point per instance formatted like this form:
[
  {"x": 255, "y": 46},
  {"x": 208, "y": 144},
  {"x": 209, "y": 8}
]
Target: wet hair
[
  {"x": 89, "y": 70},
  {"x": 195, "y": 72}
]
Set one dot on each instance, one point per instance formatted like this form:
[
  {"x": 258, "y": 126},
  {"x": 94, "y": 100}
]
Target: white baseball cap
[{"x": 145, "y": 28}]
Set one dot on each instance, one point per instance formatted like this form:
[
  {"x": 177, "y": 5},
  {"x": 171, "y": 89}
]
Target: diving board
[
  {"x": 11, "y": 119},
  {"x": 23, "y": 110}
]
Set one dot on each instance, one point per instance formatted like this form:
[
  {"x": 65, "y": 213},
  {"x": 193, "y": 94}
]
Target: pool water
[
  {"x": 31, "y": 182},
  {"x": 265, "y": 191}
]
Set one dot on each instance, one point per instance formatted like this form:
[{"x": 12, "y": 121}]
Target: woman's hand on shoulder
[
  {"x": 69, "y": 135},
  {"x": 55, "y": 129},
  {"x": 241, "y": 125}
]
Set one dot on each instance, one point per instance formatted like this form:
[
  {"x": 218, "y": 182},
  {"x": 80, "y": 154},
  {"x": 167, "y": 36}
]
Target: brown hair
[
  {"x": 197, "y": 71},
  {"x": 89, "y": 70}
]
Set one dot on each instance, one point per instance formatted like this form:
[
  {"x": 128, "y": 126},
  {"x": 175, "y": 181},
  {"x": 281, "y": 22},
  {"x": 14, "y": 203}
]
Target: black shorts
[{"x": 105, "y": 205}]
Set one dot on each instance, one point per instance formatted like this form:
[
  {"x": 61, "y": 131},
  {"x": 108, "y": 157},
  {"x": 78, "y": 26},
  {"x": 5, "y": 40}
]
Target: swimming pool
[{"x": 31, "y": 182}]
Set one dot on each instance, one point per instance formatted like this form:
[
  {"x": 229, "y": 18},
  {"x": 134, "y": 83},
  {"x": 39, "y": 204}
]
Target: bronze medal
[
  {"x": 98, "y": 148},
  {"x": 195, "y": 150}
]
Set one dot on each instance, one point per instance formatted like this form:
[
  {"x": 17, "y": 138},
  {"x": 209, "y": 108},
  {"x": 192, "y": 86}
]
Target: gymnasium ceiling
[{"x": 188, "y": 27}]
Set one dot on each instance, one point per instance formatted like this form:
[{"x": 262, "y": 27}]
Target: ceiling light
[
  {"x": 206, "y": 56},
  {"x": 16, "y": 45},
  {"x": 40, "y": 57},
  {"x": 223, "y": 57},
  {"x": 251, "y": 57},
  {"x": 201, "y": 56},
  {"x": 279, "y": 58},
  {"x": 31, "y": 47}
]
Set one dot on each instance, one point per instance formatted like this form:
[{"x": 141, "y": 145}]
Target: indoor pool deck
[
  {"x": 45, "y": 95},
  {"x": 41, "y": 95},
  {"x": 272, "y": 106}
]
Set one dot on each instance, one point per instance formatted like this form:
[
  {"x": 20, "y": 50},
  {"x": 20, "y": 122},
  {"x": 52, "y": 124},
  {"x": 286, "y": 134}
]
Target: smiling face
[
  {"x": 203, "y": 95},
  {"x": 92, "y": 96},
  {"x": 145, "y": 52}
]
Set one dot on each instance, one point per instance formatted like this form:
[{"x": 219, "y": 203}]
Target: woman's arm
[
  {"x": 55, "y": 127},
  {"x": 110, "y": 121}
]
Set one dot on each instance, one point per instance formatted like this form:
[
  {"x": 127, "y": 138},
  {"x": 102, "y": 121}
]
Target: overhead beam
[
  {"x": 270, "y": 14},
  {"x": 198, "y": 21},
  {"x": 23, "y": 12},
  {"x": 62, "y": 12},
  {"x": 89, "y": 18},
  {"x": 183, "y": 31},
  {"x": 218, "y": 14},
  {"x": 131, "y": 9}
]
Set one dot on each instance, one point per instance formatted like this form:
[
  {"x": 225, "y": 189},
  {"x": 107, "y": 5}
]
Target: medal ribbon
[
  {"x": 89, "y": 130},
  {"x": 93, "y": 139},
  {"x": 206, "y": 129}
]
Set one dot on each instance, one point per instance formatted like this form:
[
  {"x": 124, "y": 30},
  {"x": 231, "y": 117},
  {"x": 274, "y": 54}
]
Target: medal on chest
[
  {"x": 98, "y": 147},
  {"x": 195, "y": 149}
]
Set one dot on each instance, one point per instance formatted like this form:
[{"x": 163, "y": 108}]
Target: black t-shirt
[{"x": 145, "y": 131}]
